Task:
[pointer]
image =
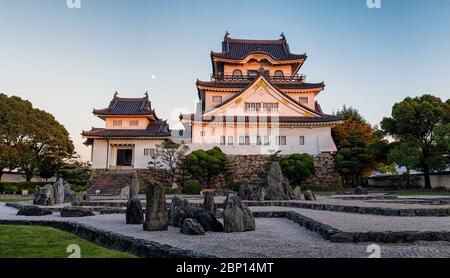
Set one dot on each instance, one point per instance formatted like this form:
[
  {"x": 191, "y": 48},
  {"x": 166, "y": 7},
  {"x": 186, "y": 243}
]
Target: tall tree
[
  {"x": 361, "y": 148},
  {"x": 354, "y": 131},
  {"x": 26, "y": 131},
  {"x": 419, "y": 122}
]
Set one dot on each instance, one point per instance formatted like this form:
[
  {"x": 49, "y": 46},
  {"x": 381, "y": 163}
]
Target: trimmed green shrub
[
  {"x": 170, "y": 190},
  {"x": 192, "y": 187},
  {"x": 205, "y": 165},
  {"x": 79, "y": 188},
  {"x": 297, "y": 167},
  {"x": 17, "y": 187}
]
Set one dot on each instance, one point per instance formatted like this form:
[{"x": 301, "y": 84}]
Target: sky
[{"x": 68, "y": 61}]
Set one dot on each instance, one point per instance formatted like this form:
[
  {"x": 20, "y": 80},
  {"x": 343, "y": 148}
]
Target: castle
[{"x": 255, "y": 103}]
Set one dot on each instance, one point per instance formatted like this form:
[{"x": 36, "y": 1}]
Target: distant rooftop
[{"x": 127, "y": 106}]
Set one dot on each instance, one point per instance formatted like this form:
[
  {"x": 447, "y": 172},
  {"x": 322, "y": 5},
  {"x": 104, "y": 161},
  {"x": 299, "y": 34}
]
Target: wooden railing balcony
[{"x": 245, "y": 77}]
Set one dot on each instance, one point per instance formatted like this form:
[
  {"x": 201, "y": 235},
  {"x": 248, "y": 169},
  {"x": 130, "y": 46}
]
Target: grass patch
[{"x": 19, "y": 241}]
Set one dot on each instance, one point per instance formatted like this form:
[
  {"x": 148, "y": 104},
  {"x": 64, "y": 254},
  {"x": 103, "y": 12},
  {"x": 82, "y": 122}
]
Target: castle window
[
  {"x": 252, "y": 106},
  {"x": 279, "y": 74},
  {"x": 266, "y": 140},
  {"x": 303, "y": 100},
  {"x": 150, "y": 152},
  {"x": 230, "y": 140},
  {"x": 117, "y": 122},
  {"x": 244, "y": 140},
  {"x": 134, "y": 123},
  {"x": 258, "y": 140},
  {"x": 270, "y": 107},
  {"x": 237, "y": 73},
  {"x": 302, "y": 140},
  {"x": 222, "y": 140},
  {"x": 217, "y": 99},
  {"x": 202, "y": 133},
  {"x": 280, "y": 140}
]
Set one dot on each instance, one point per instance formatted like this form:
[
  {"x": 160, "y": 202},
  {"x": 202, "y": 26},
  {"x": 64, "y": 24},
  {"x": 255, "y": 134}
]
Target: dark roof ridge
[{"x": 280, "y": 41}]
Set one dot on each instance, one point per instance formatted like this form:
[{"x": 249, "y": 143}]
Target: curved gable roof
[
  {"x": 127, "y": 106},
  {"x": 257, "y": 79},
  {"x": 239, "y": 49}
]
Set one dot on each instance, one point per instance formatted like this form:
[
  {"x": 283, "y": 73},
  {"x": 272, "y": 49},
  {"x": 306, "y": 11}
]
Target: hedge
[{"x": 17, "y": 187}]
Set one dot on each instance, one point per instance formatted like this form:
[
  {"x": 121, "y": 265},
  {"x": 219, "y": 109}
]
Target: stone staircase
[{"x": 113, "y": 183}]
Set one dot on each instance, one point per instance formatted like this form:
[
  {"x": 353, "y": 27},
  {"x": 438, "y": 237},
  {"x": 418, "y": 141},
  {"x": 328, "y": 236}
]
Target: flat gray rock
[{"x": 76, "y": 212}]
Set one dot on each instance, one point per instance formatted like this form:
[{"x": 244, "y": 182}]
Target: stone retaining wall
[{"x": 245, "y": 168}]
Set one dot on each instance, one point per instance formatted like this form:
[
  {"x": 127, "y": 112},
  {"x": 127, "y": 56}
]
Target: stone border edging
[
  {"x": 139, "y": 247},
  {"x": 324, "y": 230},
  {"x": 438, "y": 212},
  {"x": 336, "y": 235}
]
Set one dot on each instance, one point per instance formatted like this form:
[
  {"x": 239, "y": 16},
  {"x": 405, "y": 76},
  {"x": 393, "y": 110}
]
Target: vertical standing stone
[
  {"x": 134, "y": 214},
  {"x": 134, "y": 188},
  {"x": 236, "y": 216},
  {"x": 156, "y": 218},
  {"x": 276, "y": 183},
  {"x": 209, "y": 204},
  {"x": 59, "y": 189},
  {"x": 44, "y": 196},
  {"x": 297, "y": 193},
  {"x": 180, "y": 209}
]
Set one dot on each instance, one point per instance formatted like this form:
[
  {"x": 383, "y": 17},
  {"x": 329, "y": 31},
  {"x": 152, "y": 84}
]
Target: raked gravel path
[
  {"x": 353, "y": 222},
  {"x": 274, "y": 237}
]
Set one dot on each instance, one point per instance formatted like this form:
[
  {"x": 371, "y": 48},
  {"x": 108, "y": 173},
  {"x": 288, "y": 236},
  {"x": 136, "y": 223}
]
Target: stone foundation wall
[
  {"x": 245, "y": 168},
  {"x": 250, "y": 169}
]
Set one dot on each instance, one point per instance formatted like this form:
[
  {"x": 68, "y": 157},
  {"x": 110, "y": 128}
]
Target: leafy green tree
[
  {"x": 420, "y": 122},
  {"x": 297, "y": 167},
  {"x": 405, "y": 154},
  {"x": 3, "y": 160},
  {"x": 354, "y": 131},
  {"x": 205, "y": 165},
  {"x": 49, "y": 167},
  {"x": 27, "y": 162},
  {"x": 361, "y": 147},
  {"x": 75, "y": 172},
  {"x": 26, "y": 131}
]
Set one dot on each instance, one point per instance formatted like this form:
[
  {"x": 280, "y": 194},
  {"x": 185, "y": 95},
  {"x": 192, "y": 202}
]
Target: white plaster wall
[
  {"x": 98, "y": 156},
  {"x": 253, "y": 95},
  {"x": 317, "y": 139},
  {"x": 140, "y": 161},
  {"x": 142, "y": 123}
]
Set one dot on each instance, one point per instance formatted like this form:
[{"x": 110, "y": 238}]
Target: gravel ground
[
  {"x": 273, "y": 238},
  {"x": 352, "y": 222},
  {"x": 372, "y": 203}
]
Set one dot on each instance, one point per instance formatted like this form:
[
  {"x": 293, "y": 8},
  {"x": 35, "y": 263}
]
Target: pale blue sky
[{"x": 67, "y": 61}]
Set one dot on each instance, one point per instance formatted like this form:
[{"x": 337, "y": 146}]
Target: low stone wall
[
  {"x": 139, "y": 247},
  {"x": 244, "y": 168}
]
